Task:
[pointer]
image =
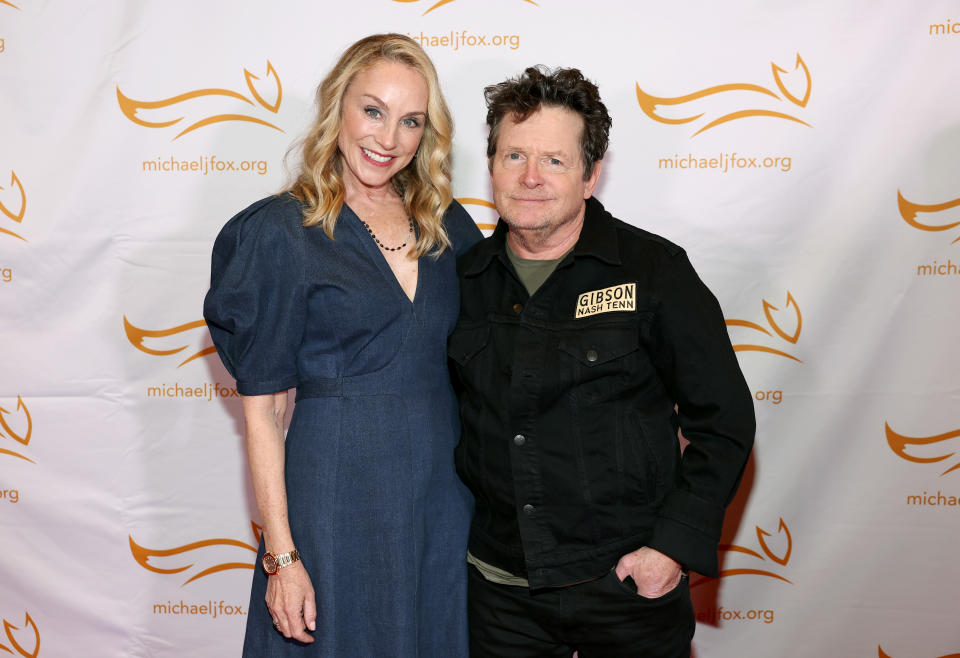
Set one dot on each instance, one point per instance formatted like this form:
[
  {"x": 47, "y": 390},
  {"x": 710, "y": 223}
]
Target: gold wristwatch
[{"x": 273, "y": 562}]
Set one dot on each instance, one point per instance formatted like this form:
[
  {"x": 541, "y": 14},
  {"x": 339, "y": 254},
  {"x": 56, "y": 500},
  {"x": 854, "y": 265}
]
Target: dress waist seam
[{"x": 376, "y": 383}]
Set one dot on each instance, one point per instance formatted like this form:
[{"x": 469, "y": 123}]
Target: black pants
[{"x": 602, "y": 618}]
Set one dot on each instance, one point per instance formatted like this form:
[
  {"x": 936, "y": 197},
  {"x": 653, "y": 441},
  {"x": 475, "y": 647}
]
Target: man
[{"x": 583, "y": 345}]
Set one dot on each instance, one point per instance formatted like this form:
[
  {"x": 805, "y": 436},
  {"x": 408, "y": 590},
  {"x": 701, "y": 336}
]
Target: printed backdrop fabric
[{"x": 805, "y": 154}]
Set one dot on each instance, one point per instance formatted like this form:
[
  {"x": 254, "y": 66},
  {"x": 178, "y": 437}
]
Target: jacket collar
[{"x": 598, "y": 238}]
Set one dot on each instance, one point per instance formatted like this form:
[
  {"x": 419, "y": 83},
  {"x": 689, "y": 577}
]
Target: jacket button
[
  {"x": 592, "y": 355},
  {"x": 528, "y": 509},
  {"x": 519, "y": 440},
  {"x": 517, "y": 308}
]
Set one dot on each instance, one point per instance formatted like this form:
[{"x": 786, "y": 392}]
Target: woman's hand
[{"x": 292, "y": 603}]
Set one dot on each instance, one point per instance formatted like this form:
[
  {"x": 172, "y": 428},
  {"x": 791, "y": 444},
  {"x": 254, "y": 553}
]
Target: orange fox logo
[
  {"x": 138, "y": 336},
  {"x": 470, "y": 201},
  {"x": 934, "y": 447},
  {"x": 132, "y": 109},
  {"x": 446, "y": 2},
  {"x": 173, "y": 558},
  {"x": 762, "y": 535},
  {"x": 20, "y": 648},
  {"x": 15, "y": 215},
  {"x": 651, "y": 105},
  {"x": 22, "y": 439},
  {"x": 909, "y": 211},
  {"x": 793, "y": 317}
]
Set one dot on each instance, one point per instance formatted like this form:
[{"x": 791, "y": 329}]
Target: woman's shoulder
[
  {"x": 460, "y": 227},
  {"x": 273, "y": 215},
  {"x": 273, "y": 222},
  {"x": 277, "y": 210}
]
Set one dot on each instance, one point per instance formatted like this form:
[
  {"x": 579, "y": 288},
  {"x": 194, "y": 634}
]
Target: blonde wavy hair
[{"x": 424, "y": 184}]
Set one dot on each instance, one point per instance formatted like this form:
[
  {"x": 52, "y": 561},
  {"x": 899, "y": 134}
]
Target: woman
[{"x": 344, "y": 287}]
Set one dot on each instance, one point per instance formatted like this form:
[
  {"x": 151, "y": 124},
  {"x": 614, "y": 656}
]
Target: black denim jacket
[{"x": 568, "y": 406}]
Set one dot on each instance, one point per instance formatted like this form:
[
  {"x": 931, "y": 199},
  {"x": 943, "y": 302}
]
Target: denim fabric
[{"x": 375, "y": 506}]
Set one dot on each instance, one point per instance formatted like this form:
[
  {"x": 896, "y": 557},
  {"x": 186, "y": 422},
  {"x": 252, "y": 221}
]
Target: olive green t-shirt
[{"x": 532, "y": 272}]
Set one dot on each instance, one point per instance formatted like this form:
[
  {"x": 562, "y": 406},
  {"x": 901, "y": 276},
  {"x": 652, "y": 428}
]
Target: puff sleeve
[{"x": 256, "y": 306}]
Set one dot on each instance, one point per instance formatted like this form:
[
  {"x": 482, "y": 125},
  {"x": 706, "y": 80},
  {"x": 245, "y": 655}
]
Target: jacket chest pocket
[
  {"x": 472, "y": 350},
  {"x": 598, "y": 353},
  {"x": 465, "y": 344}
]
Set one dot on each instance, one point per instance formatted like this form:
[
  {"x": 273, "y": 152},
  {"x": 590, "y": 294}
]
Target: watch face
[{"x": 270, "y": 563}]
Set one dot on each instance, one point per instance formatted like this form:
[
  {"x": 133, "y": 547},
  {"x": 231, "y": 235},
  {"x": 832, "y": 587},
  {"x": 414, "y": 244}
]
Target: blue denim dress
[{"x": 375, "y": 506}]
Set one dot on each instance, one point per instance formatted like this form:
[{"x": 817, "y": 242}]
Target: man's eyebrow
[{"x": 559, "y": 153}]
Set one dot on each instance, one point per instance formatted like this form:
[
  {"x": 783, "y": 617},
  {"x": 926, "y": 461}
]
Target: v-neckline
[{"x": 381, "y": 261}]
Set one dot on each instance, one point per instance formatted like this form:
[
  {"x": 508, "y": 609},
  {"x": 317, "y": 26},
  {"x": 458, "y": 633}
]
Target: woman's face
[{"x": 382, "y": 120}]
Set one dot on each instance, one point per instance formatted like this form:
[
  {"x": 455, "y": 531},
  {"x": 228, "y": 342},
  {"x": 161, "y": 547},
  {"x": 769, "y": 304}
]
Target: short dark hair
[{"x": 538, "y": 86}]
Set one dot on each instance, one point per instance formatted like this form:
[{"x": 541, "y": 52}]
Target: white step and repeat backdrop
[{"x": 805, "y": 154}]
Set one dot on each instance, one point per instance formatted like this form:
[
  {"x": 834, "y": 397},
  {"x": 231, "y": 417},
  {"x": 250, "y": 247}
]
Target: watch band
[
  {"x": 273, "y": 562},
  {"x": 286, "y": 559}
]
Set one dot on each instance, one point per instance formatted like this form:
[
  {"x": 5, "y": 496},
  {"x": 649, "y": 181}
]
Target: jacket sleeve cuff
[{"x": 688, "y": 530}]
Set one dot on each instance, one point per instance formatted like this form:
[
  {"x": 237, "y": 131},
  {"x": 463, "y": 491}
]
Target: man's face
[{"x": 537, "y": 171}]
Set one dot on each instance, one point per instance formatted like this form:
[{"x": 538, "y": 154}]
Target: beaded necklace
[{"x": 383, "y": 246}]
